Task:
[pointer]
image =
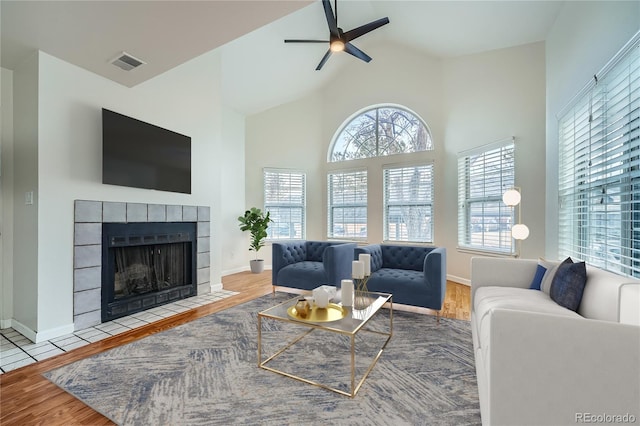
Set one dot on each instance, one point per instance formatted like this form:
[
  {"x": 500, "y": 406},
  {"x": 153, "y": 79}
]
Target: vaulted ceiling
[{"x": 259, "y": 70}]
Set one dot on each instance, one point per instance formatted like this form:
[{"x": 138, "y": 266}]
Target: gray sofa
[
  {"x": 415, "y": 275},
  {"x": 306, "y": 265}
]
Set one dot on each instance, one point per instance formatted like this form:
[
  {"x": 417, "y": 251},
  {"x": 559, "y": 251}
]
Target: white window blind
[
  {"x": 599, "y": 169},
  {"x": 285, "y": 199},
  {"x": 347, "y": 195},
  {"x": 484, "y": 174},
  {"x": 408, "y": 203}
]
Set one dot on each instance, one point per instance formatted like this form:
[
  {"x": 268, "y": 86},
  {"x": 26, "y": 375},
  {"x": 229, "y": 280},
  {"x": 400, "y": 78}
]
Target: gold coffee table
[{"x": 349, "y": 323}]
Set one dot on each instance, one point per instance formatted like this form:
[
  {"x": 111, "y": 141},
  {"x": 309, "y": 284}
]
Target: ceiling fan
[{"x": 339, "y": 40}]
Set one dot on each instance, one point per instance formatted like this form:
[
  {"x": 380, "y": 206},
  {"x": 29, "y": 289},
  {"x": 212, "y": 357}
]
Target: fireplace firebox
[{"x": 146, "y": 265}]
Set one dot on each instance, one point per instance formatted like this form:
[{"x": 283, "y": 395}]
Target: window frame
[
  {"x": 490, "y": 199},
  {"x": 271, "y": 206},
  {"x": 599, "y": 168},
  {"x": 361, "y": 173},
  {"x": 387, "y": 204},
  {"x": 345, "y": 126}
]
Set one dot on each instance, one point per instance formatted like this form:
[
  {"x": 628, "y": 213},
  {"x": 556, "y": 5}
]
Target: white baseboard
[
  {"x": 216, "y": 287},
  {"x": 242, "y": 269},
  {"x": 459, "y": 280},
  {"x": 5, "y": 323},
  {"x": 41, "y": 336}
]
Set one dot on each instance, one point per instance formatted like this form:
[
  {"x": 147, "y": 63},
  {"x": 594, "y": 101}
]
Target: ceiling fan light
[{"x": 337, "y": 46}]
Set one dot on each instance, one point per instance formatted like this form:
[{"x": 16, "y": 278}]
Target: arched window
[{"x": 381, "y": 131}]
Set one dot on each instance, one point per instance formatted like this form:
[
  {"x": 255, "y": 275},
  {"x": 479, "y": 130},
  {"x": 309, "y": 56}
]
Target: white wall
[
  {"x": 68, "y": 151},
  {"x": 466, "y": 102},
  {"x": 6, "y": 199},
  {"x": 488, "y": 97},
  {"x": 25, "y": 179},
  {"x": 232, "y": 245},
  {"x": 585, "y": 36}
]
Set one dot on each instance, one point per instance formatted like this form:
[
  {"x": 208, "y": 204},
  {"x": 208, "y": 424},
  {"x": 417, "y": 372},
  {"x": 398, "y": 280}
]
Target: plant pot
[{"x": 257, "y": 265}]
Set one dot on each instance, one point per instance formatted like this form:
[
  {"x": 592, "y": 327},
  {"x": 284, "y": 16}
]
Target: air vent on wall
[{"x": 127, "y": 62}]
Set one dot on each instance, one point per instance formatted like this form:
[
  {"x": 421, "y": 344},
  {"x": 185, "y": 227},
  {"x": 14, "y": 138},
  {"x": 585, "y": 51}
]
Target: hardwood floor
[{"x": 27, "y": 398}]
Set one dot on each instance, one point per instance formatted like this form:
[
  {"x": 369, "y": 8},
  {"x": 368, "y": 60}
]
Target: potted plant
[{"x": 256, "y": 222}]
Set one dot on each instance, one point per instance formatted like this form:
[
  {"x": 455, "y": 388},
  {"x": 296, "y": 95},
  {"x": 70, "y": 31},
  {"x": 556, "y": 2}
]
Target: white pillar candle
[
  {"x": 366, "y": 259},
  {"x": 357, "y": 269},
  {"x": 347, "y": 292}
]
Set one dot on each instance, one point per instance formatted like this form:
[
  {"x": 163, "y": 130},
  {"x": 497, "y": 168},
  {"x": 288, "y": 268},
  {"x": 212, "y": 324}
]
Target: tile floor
[{"x": 17, "y": 351}]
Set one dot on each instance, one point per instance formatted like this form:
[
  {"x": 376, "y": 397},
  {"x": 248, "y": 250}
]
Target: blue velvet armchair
[
  {"x": 415, "y": 275},
  {"x": 308, "y": 264}
]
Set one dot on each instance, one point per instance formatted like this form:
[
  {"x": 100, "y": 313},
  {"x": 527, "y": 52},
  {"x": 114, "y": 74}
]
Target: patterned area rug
[{"x": 205, "y": 372}]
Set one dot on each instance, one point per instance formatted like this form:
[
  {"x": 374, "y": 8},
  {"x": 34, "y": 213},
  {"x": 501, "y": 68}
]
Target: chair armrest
[
  {"x": 435, "y": 272},
  {"x": 285, "y": 253},
  {"x": 496, "y": 271},
  {"x": 336, "y": 260},
  {"x": 560, "y": 366}
]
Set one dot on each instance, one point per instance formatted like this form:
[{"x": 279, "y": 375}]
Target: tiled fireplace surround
[{"x": 87, "y": 254}]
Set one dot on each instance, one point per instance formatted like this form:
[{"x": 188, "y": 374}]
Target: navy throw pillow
[
  {"x": 568, "y": 284},
  {"x": 537, "y": 280}
]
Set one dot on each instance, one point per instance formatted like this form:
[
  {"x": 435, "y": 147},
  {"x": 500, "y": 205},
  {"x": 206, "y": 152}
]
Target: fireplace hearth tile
[
  {"x": 203, "y": 245},
  {"x": 86, "y": 301},
  {"x": 174, "y": 213},
  {"x": 189, "y": 213},
  {"x": 204, "y": 275},
  {"x": 114, "y": 212},
  {"x": 204, "y": 214},
  {"x": 87, "y": 319},
  {"x": 204, "y": 260},
  {"x": 88, "y": 211},
  {"x": 204, "y": 229},
  {"x": 87, "y": 278},
  {"x": 87, "y": 233},
  {"x": 157, "y": 213},
  {"x": 86, "y": 256},
  {"x": 137, "y": 212}
]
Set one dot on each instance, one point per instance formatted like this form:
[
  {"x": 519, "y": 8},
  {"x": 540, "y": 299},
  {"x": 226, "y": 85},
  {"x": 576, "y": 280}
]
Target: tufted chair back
[
  {"x": 404, "y": 257},
  {"x": 315, "y": 250}
]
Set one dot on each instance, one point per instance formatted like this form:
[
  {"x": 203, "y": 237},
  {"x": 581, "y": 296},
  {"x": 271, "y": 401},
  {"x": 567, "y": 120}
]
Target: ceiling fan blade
[
  {"x": 362, "y": 30},
  {"x": 324, "y": 60},
  {"x": 331, "y": 19},
  {"x": 352, "y": 50},
  {"x": 306, "y": 41}
]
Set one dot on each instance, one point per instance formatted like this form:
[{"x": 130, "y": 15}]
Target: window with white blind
[
  {"x": 408, "y": 203},
  {"x": 599, "y": 168},
  {"x": 285, "y": 200},
  {"x": 347, "y": 202},
  {"x": 484, "y": 174}
]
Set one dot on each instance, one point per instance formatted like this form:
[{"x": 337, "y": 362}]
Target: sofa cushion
[
  {"x": 552, "y": 268},
  {"x": 568, "y": 284},
  {"x": 404, "y": 284},
  {"x": 522, "y": 299},
  {"x": 304, "y": 275},
  {"x": 537, "y": 279}
]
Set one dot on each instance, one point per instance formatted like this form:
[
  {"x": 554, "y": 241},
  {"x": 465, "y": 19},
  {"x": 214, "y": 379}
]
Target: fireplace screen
[
  {"x": 147, "y": 269},
  {"x": 146, "y": 265}
]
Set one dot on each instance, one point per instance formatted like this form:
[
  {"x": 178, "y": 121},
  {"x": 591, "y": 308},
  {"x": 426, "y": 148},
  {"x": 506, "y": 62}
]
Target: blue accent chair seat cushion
[
  {"x": 306, "y": 265},
  {"x": 415, "y": 275}
]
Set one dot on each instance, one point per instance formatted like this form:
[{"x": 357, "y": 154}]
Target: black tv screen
[{"x": 141, "y": 155}]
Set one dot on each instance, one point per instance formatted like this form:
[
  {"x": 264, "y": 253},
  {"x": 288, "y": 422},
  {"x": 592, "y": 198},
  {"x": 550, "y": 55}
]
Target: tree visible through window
[
  {"x": 284, "y": 198},
  {"x": 379, "y": 132},
  {"x": 408, "y": 203}
]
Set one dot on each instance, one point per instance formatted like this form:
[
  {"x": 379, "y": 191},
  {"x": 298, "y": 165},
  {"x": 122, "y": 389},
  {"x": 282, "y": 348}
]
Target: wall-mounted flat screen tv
[{"x": 141, "y": 155}]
